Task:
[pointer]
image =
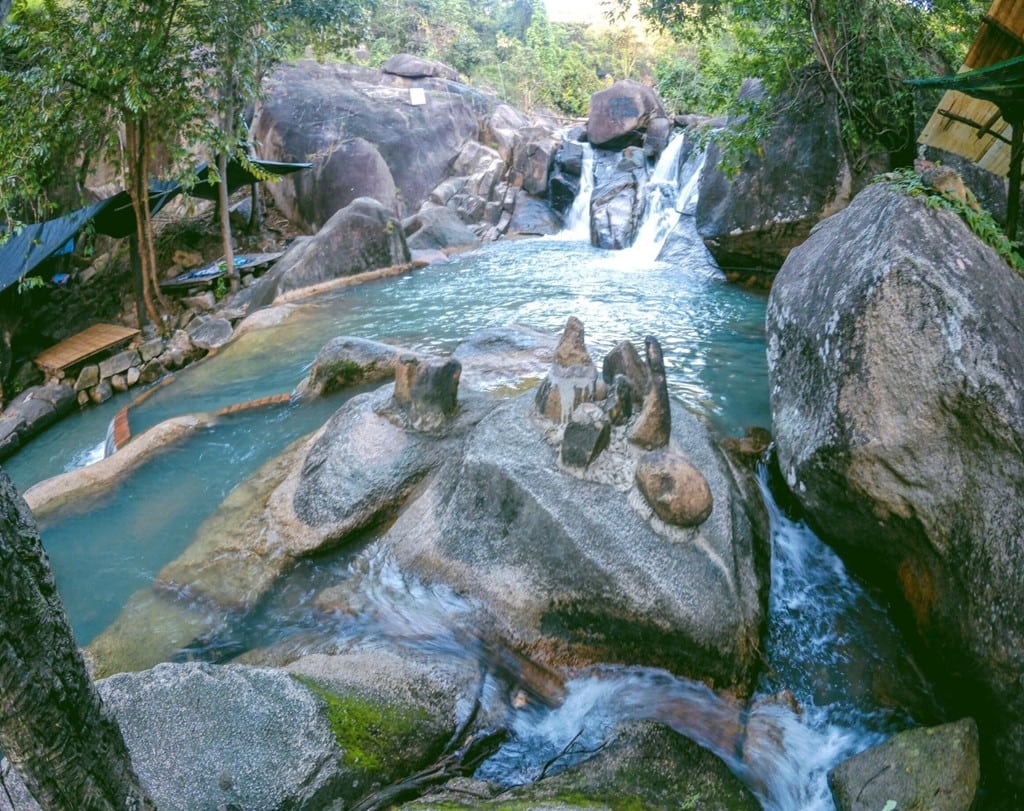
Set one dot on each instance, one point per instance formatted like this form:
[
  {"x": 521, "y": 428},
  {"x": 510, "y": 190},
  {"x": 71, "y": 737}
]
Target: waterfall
[
  {"x": 109, "y": 446},
  {"x": 577, "y": 224},
  {"x": 671, "y": 191}
]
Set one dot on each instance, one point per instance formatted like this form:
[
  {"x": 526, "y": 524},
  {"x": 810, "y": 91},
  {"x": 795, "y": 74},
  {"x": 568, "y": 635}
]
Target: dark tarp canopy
[
  {"x": 239, "y": 174},
  {"x": 27, "y": 249},
  {"x": 34, "y": 244}
]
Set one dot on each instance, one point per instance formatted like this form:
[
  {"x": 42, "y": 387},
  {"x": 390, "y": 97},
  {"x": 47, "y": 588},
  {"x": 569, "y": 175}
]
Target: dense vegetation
[
  {"x": 866, "y": 48},
  {"x": 141, "y": 86}
]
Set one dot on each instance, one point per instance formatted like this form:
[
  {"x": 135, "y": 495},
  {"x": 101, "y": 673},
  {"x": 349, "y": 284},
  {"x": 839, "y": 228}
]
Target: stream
[{"x": 830, "y": 648}]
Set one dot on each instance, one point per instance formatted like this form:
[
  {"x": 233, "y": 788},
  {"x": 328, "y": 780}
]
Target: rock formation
[
  {"x": 896, "y": 364},
  {"x": 798, "y": 176}
]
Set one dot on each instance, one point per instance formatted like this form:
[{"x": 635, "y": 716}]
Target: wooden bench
[{"x": 82, "y": 346}]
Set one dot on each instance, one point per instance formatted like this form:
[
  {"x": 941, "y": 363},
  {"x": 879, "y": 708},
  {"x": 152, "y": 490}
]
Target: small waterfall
[
  {"x": 577, "y": 224},
  {"x": 671, "y": 191},
  {"x": 109, "y": 446}
]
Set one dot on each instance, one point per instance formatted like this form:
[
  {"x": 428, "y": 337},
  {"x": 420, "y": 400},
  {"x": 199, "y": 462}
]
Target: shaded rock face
[
  {"x": 896, "y": 365},
  {"x": 935, "y": 768},
  {"x": 799, "y": 176},
  {"x": 362, "y": 236},
  {"x": 564, "y": 184},
  {"x": 572, "y": 570},
  {"x": 616, "y": 206},
  {"x": 654, "y": 425},
  {"x": 990, "y": 189},
  {"x": 533, "y": 217},
  {"x": 619, "y": 115},
  {"x": 359, "y": 128}
]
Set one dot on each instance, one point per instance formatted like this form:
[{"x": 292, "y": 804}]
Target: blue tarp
[{"x": 26, "y": 250}]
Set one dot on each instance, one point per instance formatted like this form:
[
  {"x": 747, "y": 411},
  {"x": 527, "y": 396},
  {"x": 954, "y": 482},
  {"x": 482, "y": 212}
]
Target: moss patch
[{"x": 372, "y": 736}]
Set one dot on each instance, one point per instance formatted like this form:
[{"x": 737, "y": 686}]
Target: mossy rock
[{"x": 374, "y": 738}]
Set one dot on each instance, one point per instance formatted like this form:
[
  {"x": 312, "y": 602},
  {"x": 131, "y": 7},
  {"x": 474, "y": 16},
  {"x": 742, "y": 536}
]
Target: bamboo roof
[{"x": 971, "y": 126}]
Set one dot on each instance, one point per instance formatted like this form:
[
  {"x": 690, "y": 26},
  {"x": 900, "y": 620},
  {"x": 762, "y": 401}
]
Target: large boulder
[
  {"x": 362, "y": 236},
  {"x": 437, "y": 228},
  {"x": 324, "y": 733},
  {"x": 202, "y": 736},
  {"x": 364, "y": 135},
  {"x": 798, "y": 175},
  {"x": 574, "y": 568},
  {"x": 896, "y": 366},
  {"x": 620, "y": 115},
  {"x": 616, "y": 205},
  {"x": 348, "y": 361},
  {"x": 411, "y": 66}
]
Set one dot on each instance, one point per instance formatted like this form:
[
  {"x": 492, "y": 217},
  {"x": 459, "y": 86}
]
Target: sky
[{"x": 575, "y": 10}]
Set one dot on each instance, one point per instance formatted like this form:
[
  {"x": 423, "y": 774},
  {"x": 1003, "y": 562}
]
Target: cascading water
[
  {"x": 671, "y": 190},
  {"x": 577, "y": 224},
  {"x": 807, "y": 715}
]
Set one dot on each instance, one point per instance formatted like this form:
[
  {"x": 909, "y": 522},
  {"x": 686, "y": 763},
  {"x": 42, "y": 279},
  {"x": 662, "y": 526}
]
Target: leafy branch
[{"x": 980, "y": 221}]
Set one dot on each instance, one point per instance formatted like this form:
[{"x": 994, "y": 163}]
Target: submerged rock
[
  {"x": 896, "y": 366},
  {"x": 935, "y": 768},
  {"x": 505, "y": 360},
  {"x": 355, "y": 472}
]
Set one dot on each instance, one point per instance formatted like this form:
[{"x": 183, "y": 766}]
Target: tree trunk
[
  {"x": 225, "y": 221},
  {"x": 53, "y": 727},
  {"x": 138, "y": 189},
  {"x": 137, "y": 280}
]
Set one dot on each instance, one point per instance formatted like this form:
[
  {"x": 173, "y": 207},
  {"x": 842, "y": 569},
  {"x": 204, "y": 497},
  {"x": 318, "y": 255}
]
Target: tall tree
[
  {"x": 53, "y": 727},
  {"x": 239, "y": 50}
]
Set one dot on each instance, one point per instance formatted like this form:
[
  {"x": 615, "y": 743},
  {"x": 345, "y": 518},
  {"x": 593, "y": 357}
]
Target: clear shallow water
[{"x": 828, "y": 644}]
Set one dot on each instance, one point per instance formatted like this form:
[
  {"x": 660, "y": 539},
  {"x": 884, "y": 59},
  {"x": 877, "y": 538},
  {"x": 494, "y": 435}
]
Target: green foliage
[
  {"x": 26, "y": 283},
  {"x": 220, "y": 288},
  {"x": 978, "y": 219},
  {"x": 865, "y": 47}
]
